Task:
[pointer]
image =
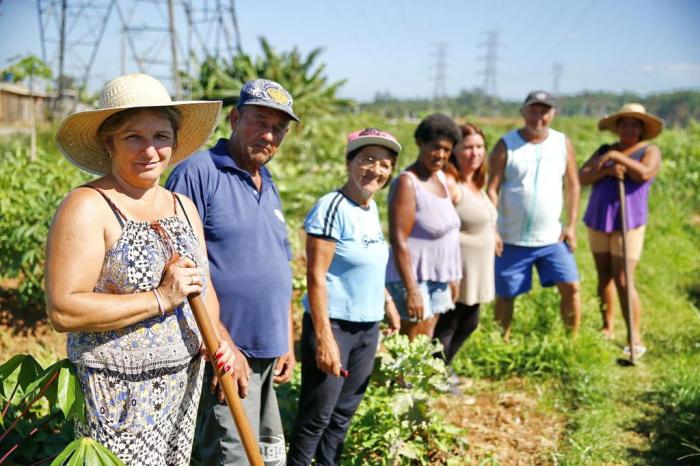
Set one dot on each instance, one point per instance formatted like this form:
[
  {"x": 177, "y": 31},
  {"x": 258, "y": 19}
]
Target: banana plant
[{"x": 301, "y": 75}]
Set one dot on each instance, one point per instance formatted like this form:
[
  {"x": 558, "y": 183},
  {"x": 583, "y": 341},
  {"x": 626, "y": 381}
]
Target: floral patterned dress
[{"x": 142, "y": 382}]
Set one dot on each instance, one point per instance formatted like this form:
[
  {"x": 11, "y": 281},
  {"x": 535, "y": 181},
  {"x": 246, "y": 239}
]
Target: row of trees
[{"x": 676, "y": 108}]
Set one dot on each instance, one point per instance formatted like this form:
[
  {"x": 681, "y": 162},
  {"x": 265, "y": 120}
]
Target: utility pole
[
  {"x": 173, "y": 49},
  {"x": 439, "y": 79}
]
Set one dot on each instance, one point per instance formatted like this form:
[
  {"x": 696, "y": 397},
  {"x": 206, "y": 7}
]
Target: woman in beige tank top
[{"x": 466, "y": 175}]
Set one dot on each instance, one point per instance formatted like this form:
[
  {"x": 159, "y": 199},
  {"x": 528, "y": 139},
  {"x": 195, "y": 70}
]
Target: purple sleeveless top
[
  {"x": 434, "y": 240},
  {"x": 603, "y": 211}
]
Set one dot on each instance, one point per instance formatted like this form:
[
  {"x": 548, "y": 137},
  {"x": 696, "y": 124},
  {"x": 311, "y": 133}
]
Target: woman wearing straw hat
[
  {"x": 112, "y": 278},
  {"x": 346, "y": 261},
  {"x": 636, "y": 161}
]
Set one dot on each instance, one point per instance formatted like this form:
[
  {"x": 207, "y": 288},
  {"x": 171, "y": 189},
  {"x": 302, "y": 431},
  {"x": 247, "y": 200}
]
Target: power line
[
  {"x": 567, "y": 33},
  {"x": 556, "y": 78}
]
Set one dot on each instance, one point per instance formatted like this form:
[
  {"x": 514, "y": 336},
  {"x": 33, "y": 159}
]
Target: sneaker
[{"x": 639, "y": 350}]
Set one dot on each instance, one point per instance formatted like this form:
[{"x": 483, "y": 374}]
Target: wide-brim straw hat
[
  {"x": 652, "y": 125},
  {"x": 77, "y": 135}
]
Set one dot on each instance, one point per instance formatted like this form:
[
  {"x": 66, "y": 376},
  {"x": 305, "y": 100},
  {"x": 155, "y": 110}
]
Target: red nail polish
[
  {"x": 344, "y": 373},
  {"x": 227, "y": 368},
  {"x": 219, "y": 364}
]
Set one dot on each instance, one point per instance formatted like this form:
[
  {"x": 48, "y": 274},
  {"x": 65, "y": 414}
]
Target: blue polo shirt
[{"x": 248, "y": 248}]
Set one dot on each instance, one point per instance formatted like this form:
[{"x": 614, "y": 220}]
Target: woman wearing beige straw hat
[
  {"x": 113, "y": 278},
  {"x": 636, "y": 161}
]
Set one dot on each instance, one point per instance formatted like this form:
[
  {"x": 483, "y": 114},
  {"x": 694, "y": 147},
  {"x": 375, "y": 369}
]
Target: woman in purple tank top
[
  {"x": 637, "y": 162},
  {"x": 424, "y": 264}
]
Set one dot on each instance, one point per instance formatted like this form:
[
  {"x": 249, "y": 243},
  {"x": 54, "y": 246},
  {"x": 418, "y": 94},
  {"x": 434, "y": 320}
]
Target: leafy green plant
[
  {"x": 39, "y": 408},
  {"x": 394, "y": 424},
  {"x": 86, "y": 451},
  {"x": 30, "y": 192}
]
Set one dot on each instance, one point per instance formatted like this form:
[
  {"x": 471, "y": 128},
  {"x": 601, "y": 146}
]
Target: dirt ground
[
  {"x": 505, "y": 423},
  {"x": 27, "y": 332}
]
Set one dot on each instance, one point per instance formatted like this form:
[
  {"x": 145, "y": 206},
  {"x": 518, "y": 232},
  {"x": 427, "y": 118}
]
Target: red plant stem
[
  {"x": 30, "y": 434},
  {"x": 14, "y": 447},
  {"x": 41, "y": 393},
  {"x": 9, "y": 400}
]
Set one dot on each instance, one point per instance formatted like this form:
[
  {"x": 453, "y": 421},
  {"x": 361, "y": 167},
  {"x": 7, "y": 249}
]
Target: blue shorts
[
  {"x": 437, "y": 298},
  {"x": 555, "y": 264}
]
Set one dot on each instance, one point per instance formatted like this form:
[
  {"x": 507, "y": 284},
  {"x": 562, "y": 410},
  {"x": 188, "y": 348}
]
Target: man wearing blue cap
[{"x": 249, "y": 258}]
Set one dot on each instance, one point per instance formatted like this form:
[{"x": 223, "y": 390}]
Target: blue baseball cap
[{"x": 266, "y": 93}]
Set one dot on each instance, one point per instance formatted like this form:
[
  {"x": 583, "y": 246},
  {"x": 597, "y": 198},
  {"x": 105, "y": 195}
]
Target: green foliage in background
[
  {"x": 30, "y": 193},
  {"x": 301, "y": 75}
]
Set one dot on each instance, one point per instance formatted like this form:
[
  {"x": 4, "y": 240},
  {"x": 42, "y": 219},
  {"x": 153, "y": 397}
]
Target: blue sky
[{"x": 639, "y": 45}]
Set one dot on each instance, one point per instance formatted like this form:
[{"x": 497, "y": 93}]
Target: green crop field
[{"x": 604, "y": 413}]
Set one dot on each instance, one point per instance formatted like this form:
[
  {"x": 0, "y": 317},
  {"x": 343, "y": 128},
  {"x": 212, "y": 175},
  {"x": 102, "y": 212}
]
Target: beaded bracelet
[{"x": 160, "y": 304}]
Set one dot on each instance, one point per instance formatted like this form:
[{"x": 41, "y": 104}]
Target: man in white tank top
[{"x": 531, "y": 168}]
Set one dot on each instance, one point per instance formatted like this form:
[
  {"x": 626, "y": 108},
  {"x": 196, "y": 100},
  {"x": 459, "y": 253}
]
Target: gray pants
[{"x": 216, "y": 434}]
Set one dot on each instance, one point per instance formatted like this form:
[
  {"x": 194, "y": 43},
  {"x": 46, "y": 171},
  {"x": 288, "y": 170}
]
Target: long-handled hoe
[
  {"x": 199, "y": 310},
  {"x": 628, "y": 289}
]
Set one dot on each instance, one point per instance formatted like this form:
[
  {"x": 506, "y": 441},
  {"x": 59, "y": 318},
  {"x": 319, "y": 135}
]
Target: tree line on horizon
[{"x": 677, "y": 108}]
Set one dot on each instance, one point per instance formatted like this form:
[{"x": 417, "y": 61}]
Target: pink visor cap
[{"x": 372, "y": 137}]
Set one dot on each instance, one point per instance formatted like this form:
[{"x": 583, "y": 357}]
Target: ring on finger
[{"x": 192, "y": 280}]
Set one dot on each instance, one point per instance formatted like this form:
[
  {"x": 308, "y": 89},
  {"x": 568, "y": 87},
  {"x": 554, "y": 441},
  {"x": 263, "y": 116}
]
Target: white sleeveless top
[{"x": 531, "y": 194}]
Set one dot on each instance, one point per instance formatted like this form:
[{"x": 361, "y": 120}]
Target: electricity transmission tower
[
  {"x": 72, "y": 30},
  {"x": 439, "y": 79},
  {"x": 208, "y": 33},
  {"x": 490, "y": 59},
  {"x": 70, "y": 34}
]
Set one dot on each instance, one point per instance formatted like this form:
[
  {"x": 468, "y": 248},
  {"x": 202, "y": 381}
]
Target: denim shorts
[
  {"x": 437, "y": 298},
  {"x": 554, "y": 263}
]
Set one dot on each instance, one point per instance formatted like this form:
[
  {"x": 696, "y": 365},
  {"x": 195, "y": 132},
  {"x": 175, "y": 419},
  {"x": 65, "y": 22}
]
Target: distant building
[
  {"x": 16, "y": 101},
  {"x": 15, "y": 104}
]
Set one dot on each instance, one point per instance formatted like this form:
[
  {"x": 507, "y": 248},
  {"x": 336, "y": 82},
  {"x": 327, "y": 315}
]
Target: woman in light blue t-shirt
[{"x": 346, "y": 261}]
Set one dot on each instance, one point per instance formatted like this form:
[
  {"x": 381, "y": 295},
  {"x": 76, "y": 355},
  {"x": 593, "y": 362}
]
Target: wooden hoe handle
[{"x": 250, "y": 444}]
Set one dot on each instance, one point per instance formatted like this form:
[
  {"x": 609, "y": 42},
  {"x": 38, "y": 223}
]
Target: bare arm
[
  {"x": 284, "y": 366},
  {"x": 497, "y": 168},
  {"x": 593, "y": 170},
  {"x": 402, "y": 216},
  {"x": 642, "y": 170},
  {"x": 572, "y": 193},
  {"x": 75, "y": 252},
  {"x": 319, "y": 253}
]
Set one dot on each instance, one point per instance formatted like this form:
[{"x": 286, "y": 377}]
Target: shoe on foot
[{"x": 639, "y": 350}]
